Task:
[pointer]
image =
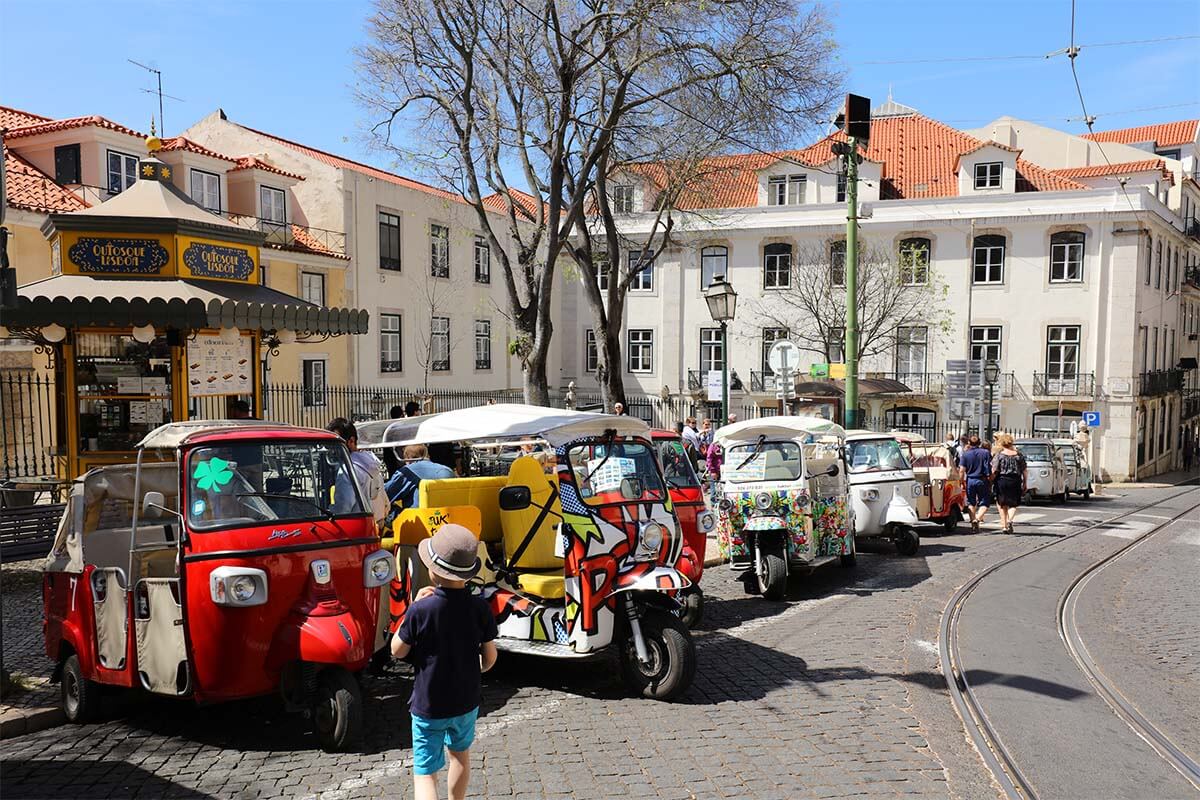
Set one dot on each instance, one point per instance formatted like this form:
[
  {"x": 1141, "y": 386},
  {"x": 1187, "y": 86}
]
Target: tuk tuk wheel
[
  {"x": 772, "y": 573},
  {"x": 337, "y": 710},
  {"x": 672, "y": 657},
  {"x": 693, "y": 606},
  {"x": 80, "y": 697},
  {"x": 1061, "y": 499},
  {"x": 847, "y": 560},
  {"x": 952, "y": 520},
  {"x": 908, "y": 542}
]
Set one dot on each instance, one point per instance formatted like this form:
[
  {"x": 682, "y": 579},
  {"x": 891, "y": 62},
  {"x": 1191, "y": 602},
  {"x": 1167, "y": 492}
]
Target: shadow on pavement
[
  {"x": 56, "y": 780},
  {"x": 979, "y": 677}
]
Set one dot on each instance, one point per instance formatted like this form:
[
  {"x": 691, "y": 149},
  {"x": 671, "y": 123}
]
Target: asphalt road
[
  {"x": 834, "y": 693},
  {"x": 1065, "y": 738}
]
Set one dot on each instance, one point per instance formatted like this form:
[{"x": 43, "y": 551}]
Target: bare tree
[
  {"x": 436, "y": 334},
  {"x": 895, "y": 290},
  {"x": 527, "y": 105}
]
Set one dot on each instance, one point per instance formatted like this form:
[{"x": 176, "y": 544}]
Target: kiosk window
[{"x": 123, "y": 387}]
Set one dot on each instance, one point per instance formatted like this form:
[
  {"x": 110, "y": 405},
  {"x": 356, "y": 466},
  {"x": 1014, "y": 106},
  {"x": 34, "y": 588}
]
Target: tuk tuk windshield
[
  {"x": 611, "y": 473},
  {"x": 875, "y": 455},
  {"x": 1068, "y": 454},
  {"x": 267, "y": 482},
  {"x": 1035, "y": 451},
  {"x": 676, "y": 466},
  {"x": 768, "y": 461}
]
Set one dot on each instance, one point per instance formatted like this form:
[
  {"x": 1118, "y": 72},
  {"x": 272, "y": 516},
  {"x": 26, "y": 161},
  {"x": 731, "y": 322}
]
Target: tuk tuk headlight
[
  {"x": 650, "y": 542},
  {"x": 763, "y": 501},
  {"x": 726, "y": 504},
  {"x": 378, "y": 569},
  {"x": 706, "y": 521},
  {"x": 870, "y": 495},
  {"x": 238, "y": 586},
  {"x": 1045, "y": 473},
  {"x": 917, "y": 490}
]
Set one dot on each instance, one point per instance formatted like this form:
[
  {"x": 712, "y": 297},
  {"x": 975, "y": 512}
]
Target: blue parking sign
[{"x": 1092, "y": 418}]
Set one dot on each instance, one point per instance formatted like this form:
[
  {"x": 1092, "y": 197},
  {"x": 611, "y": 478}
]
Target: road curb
[
  {"x": 717, "y": 561},
  {"x": 20, "y": 721}
]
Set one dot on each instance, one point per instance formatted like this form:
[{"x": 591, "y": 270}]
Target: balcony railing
[
  {"x": 1160, "y": 381},
  {"x": 1082, "y": 384},
  {"x": 1191, "y": 406},
  {"x": 389, "y": 366},
  {"x": 290, "y": 236},
  {"x": 763, "y": 381},
  {"x": 924, "y": 383},
  {"x": 1191, "y": 227},
  {"x": 697, "y": 381},
  {"x": 1192, "y": 277}
]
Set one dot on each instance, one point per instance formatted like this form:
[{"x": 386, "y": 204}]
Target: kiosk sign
[
  {"x": 127, "y": 256},
  {"x": 217, "y": 261}
]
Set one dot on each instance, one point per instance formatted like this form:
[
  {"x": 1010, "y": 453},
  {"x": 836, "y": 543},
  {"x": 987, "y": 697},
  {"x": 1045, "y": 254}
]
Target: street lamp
[
  {"x": 991, "y": 374},
  {"x": 722, "y": 304}
]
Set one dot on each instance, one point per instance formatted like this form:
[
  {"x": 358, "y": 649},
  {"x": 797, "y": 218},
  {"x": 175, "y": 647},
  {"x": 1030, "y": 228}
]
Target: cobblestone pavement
[
  {"x": 1138, "y": 619},
  {"x": 835, "y": 693},
  {"x": 24, "y": 652}
]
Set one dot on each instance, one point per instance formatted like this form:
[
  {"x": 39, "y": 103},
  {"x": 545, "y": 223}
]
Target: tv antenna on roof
[{"x": 162, "y": 126}]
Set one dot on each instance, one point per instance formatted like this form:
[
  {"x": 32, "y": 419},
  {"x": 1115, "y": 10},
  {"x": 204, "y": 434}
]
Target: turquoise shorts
[{"x": 431, "y": 737}]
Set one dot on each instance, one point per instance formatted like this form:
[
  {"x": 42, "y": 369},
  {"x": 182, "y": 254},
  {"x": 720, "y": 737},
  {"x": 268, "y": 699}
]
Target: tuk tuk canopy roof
[
  {"x": 501, "y": 421},
  {"x": 174, "y": 434},
  {"x": 748, "y": 430}
]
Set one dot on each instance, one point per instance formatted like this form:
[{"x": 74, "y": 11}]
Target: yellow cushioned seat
[{"x": 539, "y": 570}]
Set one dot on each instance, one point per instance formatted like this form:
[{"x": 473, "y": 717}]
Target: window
[
  {"x": 272, "y": 202},
  {"x": 777, "y": 266},
  {"x": 841, "y": 187},
  {"x": 439, "y": 251},
  {"x": 913, "y": 420},
  {"x": 313, "y": 376},
  {"x": 985, "y": 343},
  {"x": 989, "y": 259},
  {"x": 786, "y": 190},
  {"x": 312, "y": 288},
  {"x": 591, "y": 355},
  {"x": 837, "y": 263},
  {"x": 910, "y": 352},
  {"x": 1062, "y": 352},
  {"x": 390, "y": 359},
  {"x": 439, "y": 344},
  {"x": 914, "y": 262},
  {"x": 641, "y": 350},
  {"x": 643, "y": 276},
  {"x": 622, "y": 198},
  {"x": 1174, "y": 153},
  {"x": 1149, "y": 260},
  {"x": 1154, "y": 351},
  {"x": 206, "y": 190},
  {"x": 67, "y": 166},
  {"x": 714, "y": 262},
  {"x": 1158, "y": 255},
  {"x": 122, "y": 171},
  {"x": 836, "y": 346},
  {"x": 600, "y": 262},
  {"x": 483, "y": 260},
  {"x": 987, "y": 176},
  {"x": 483, "y": 344},
  {"x": 1066, "y": 257},
  {"x": 769, "y": 337},
  {"x": 711, "y": 354},
  {"x": 389, "y": 241}
]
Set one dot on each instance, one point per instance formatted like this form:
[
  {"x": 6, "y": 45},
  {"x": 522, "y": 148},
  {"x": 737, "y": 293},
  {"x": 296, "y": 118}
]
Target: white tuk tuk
[{"x": 883, "y": 490}]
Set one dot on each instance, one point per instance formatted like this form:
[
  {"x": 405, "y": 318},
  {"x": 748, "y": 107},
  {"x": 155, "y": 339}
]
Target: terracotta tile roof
[
  {"x": 50, "y": 126},
  {"x": 1164, "y": 134},
  {"x": 344, "y": 163},
  {"x": 28, "y": 188},
  {"x": 918, "y": 156},
  {"x": 304, "y": 242},
  {"x": 11, "y": 118},
  {"x": 183, "y": 143},
  {"x": 250, "y": 162},
  {"x": 1127, "y": 168},
  {"x": 525, "y": 203}
]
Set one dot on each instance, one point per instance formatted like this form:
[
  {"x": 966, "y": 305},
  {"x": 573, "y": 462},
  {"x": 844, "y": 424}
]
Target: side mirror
[
  {"x": 153, "y": 504},
  {"x": 631, "y": 488},
  {"x": 832, "y": 469},
  {"x": 515, "y": 498}
]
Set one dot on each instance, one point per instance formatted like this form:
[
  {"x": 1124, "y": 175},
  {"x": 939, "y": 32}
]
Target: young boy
[{"x": 448, "y": 635}]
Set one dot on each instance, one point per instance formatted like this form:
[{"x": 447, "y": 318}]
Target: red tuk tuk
[
  {"x": 233, "y": 559},
  {"x": 687, "y": 495},
  {"x": 943, "y": 497}
]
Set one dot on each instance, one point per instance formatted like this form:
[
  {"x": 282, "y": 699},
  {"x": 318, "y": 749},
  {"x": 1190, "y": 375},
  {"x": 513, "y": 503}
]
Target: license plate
[{"x": 320, "y": 571}]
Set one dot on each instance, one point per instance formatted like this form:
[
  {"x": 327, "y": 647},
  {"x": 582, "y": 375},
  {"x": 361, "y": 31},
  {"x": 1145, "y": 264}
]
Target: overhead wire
[{"x": 1026, "y": 56}]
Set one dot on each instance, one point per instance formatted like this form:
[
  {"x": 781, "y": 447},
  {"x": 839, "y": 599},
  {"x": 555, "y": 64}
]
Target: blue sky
[{"x": 287, "y": 66}]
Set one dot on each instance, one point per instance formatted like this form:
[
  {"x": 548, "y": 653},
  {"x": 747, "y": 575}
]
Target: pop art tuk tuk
[
  {"x": 784, "y": 505},
  {"x": 577, "y": 534},
  {"x": 943, "y": 499},
  {"x": 233, "y": 559},
  {"x": 695, "y": 519}
]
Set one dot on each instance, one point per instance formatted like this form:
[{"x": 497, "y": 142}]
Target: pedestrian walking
[
  {"x": 368, "y": 474},
  {"x": 714, "y": 460},
  {"x": 691, "y": 439},
  {"x": 1008, "y": 479},
  {"x": 706, "y": 435},
  {"x": 976, "y": 464},
  {"x": 1189, "y": 448},
  {"x": 448, "y": 635}
]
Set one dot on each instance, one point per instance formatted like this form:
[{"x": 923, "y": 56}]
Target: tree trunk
[
  {"x": 612, "y": 377},
  {"x": 535, "y": 383}
]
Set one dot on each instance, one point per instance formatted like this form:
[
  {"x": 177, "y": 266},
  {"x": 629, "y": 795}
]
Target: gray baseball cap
[{"x": 451, "y": 553}]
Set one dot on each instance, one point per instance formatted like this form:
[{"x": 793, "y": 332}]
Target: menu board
[{"x": 217, "y": 367}]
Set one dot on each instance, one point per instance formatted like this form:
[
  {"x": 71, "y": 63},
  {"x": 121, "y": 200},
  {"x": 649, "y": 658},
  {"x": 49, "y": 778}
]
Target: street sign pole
[
  {"x": 850, "y": 412},
  {"x": 724, "y": 373}
]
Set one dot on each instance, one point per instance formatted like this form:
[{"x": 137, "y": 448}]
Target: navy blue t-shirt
[
  {"x": 978, "y": 463},
  {"x": 445, "y": 631}
]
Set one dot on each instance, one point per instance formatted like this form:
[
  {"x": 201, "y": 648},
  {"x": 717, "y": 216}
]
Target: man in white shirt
[{"x": 368, "y": 473}]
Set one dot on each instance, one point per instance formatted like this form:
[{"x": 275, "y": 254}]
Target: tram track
[{"x": 986, "y": 739}]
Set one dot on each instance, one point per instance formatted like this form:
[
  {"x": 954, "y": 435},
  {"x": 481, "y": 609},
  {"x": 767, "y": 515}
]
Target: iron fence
[
  {"x": 27, "y": 423},
  {"x": 1082, "y": 384}
]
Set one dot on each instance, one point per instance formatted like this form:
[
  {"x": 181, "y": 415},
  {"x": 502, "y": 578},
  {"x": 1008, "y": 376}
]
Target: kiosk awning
[
  {"x": 82, "y": 300},
  {"x": 836, "y": 387}
]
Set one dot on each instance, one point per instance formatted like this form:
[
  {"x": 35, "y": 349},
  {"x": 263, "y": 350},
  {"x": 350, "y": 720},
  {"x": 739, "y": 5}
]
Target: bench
[{"x": 28, "y": 531}]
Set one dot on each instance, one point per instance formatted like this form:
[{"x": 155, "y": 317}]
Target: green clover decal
[{"x": 212, "y": 474}]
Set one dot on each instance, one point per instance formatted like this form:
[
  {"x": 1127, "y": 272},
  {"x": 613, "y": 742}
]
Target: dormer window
[
  {"x": 622, "y": 198},
  {"x": 786, "y": 190},
  {"x": 272, "y": 202},
  {"x": 987, "y": 176},
  {"x": 206, "y": 190},
  {"x": 122, "y": 171}
]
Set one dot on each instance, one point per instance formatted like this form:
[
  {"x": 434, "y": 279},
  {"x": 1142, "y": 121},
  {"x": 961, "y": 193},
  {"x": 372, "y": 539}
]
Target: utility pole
[{"x": 855, "y": 120}]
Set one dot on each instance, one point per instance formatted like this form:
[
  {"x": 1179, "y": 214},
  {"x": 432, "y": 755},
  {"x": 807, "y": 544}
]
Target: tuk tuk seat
[
  {"x": 530, "y": 534},
  {"x": 482, "y": 492},
  {"x": 774, "y": 468}
]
